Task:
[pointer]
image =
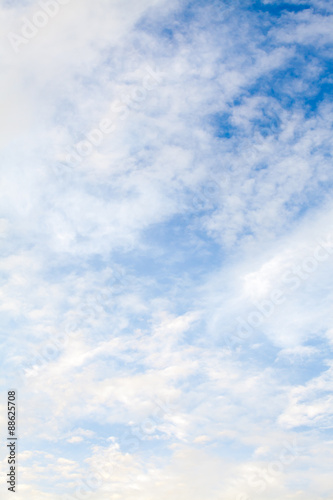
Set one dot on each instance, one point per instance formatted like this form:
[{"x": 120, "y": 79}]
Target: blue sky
[{"x": 166, "y": 248}]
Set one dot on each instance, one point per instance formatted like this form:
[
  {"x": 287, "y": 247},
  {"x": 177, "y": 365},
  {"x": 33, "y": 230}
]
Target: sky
[{"x": 166, "y": 232}]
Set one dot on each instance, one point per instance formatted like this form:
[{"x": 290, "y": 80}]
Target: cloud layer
[{"x": 167, "y": 245}]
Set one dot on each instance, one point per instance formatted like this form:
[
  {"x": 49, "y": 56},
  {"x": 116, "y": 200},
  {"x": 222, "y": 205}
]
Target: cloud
[{"x": 166, "y": 232}]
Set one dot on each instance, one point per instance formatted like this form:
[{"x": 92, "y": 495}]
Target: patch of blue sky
[
  {"x": 109, "y": 274},
  {"x": 172, "y": 249},
  {"x": 187, "y": 19},
  {"x": 192, "y": 13},
  {"x": 311, "y": 198},
  {"x": 101, "y": 430},
  {"x": 195, "y": 380},
  {"x": 261, "y": 166},
  {"x": 245, "y": 342},
  {"x": 278, "y": 8},
  {"x": 222, "y": 126},
  {"x": 167, "y": 34},
  {"x": 298, "y": 370},
  {"x": 197, "y": 334},
  {"x": 314, "y": 431},
  {"x": 142, "y": 436},
  {"x": 323, "y": 93},
  {"x": 313, "y": 426},
  {"x": 73, "y": 451},
  {"x": 258, "y": 354},
  {"x": 192, "y": 8},
  {"x": 277, "y": 83},
  {"x": 266, "y": 123}
]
